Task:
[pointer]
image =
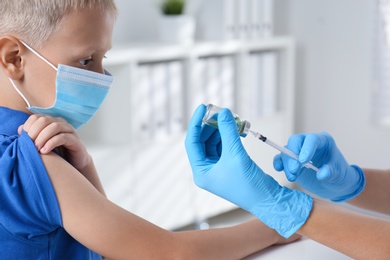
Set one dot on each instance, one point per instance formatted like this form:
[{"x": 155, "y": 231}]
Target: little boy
[{"x": 53, "y": 205}]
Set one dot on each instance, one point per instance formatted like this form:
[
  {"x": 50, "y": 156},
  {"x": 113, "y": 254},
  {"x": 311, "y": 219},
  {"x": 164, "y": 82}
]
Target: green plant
[{"x": 173, "y": 7}]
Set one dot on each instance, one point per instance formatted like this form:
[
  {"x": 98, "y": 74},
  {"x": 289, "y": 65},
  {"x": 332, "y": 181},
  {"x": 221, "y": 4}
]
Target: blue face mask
[{"x": 79, "y": 93}]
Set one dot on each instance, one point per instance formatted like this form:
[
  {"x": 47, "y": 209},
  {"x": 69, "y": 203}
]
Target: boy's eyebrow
[
  {"x": 94, "y": 49},
  {"x": 105, "y": 49}
]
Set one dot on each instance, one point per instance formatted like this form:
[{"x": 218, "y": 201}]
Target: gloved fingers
[
  {"x": 292, "y": 167},
  {"x": 279, "y": 166},
  {"x": 219, "y": 148},
  {"x": 309, "y": 147},
  {"x": 197, "y": 116},
  {"x": 193, "y": 142},
  {"x": 213, "y": 143},
  {"x": 325, "y": 173},
  {"x": 295, "y": 142},
  {"x": 283, "y": 162},
  {"x": 278, "y": 163},
  {"x": 206, "y": 133},
  {"x": 228, "y": 130},
  {"x": 326, "y": 140}
]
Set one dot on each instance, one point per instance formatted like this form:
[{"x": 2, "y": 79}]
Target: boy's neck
[{"x": 10, "y": 98}]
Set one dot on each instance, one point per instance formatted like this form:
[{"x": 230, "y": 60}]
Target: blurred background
[
  {"x": 288, "y": 66},
  {"x": 334, "y": 66}
]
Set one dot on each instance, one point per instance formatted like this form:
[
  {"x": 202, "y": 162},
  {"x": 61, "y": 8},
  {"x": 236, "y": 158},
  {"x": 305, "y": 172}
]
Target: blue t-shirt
[{"x": 30, "y": 218}]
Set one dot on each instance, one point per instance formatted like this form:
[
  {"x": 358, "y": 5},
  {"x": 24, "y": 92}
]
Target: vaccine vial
[{"x": 211, "y": 119}]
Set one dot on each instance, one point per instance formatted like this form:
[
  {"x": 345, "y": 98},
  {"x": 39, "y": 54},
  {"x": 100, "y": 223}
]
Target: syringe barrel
[{"x": 290, "y": 154}]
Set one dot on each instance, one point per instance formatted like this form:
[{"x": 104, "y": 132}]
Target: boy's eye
[{"x": 85, "y": 62}]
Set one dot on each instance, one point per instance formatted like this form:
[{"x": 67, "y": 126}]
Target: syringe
[{"x": 282, "y": 149}]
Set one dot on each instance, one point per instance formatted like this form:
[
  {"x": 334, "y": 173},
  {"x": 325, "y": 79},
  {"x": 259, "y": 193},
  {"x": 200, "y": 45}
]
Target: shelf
[{"x": 149, "y": 52}]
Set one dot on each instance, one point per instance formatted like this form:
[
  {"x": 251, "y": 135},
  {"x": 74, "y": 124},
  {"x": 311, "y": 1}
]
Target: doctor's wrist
[{"x": 356, "y": 187}]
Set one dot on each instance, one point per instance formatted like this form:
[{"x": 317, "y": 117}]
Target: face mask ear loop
[
  {"x": 39, "y": 55},
  {"x": 42, "y": 58},
  {"x": 20, "y": 93}
]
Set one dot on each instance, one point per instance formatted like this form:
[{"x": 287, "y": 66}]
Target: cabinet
[{"x": 137, "y": 137}]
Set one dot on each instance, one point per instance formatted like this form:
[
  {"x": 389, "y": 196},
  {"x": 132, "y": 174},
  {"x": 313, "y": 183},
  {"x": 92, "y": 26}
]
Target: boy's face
[{"x": 82, "y": 41}]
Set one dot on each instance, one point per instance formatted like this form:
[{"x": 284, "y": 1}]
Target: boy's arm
[
  {"x": 90, "y": 173},
  {"x": 376, "y": 193},
  {"x": 111, "y": 231}
]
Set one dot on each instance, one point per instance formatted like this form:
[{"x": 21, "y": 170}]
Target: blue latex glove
[
  {"x": 336, "y": 180},
  {"x": 221, "y": 165}
]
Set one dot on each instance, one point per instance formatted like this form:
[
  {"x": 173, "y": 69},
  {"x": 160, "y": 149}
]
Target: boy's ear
[{"x": 11, "y": 60}]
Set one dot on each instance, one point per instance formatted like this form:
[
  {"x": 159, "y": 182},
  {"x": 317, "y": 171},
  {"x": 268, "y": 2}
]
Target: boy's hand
[{"x": 49, "y": 133}]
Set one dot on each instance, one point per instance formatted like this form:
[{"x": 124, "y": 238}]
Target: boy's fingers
[
  {"x": 51, "y": 144},
  {"x": 55, "y": 131},
  {"x": 20, "y": 128},
  {"x": 35, "y": 124},
  {"x": 41, "y": 129}
]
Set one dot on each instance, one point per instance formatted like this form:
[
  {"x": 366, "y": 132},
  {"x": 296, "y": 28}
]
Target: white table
[{"x": 303, "y": 249}]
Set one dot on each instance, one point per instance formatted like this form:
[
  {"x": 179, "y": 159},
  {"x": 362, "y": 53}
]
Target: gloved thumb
[
  {"x": 194, "y": 150},
  {"x": 325, "y": 173},
  {"x": 228, "y": 129}
]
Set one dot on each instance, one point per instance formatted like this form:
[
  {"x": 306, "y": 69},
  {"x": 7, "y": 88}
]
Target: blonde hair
[{"x": 36, "y": 20}]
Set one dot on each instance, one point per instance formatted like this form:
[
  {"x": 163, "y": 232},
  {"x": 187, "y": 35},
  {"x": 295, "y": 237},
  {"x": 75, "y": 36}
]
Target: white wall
[
  {"x": 137, "y": 21},
  {"x": 334, "y": 60},
  {"x": 334, "y": 73}
]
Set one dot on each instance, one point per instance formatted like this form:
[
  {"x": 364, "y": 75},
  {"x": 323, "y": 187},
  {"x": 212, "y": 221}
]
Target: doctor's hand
[
  {"x": 49, "y": 133},
  {"x": 221, "y": 165},
  {"x": 336, "y": 180}
]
